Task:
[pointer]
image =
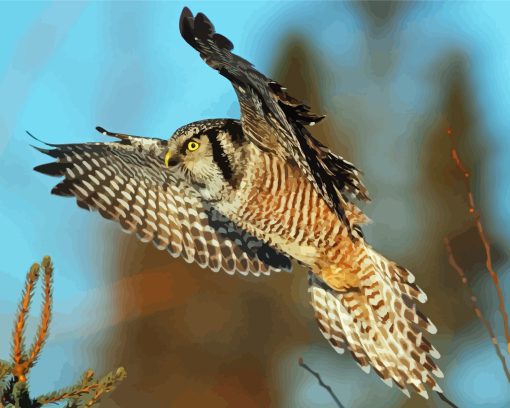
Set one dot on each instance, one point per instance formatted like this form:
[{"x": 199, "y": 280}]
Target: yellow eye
[{"x": 192, "y": 145}]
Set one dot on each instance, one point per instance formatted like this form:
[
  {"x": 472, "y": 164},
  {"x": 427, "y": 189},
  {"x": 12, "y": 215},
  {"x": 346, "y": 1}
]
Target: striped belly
[{"x": 283, "y": 209}]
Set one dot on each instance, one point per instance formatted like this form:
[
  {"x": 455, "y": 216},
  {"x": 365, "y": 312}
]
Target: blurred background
[{"x": 391, "y": 77}]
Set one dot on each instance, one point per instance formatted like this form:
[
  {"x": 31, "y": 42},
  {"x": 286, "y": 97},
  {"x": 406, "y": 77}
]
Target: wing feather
[
  {"x": 275, "y": 121},
  {"x": 127, "y": 182}
]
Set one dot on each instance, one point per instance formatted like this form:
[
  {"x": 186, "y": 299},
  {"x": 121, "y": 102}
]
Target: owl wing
[
  {"x": 128, "y": 182},
  {"x": 272, "y": 119}
]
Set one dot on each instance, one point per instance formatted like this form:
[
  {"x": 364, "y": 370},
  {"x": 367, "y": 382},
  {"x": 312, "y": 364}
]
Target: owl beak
[{"x": 171, "y": 159}]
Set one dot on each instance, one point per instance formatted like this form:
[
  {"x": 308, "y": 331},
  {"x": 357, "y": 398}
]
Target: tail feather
[
  {"x": 364, "y": 327},
  {"x": 378, "y": 322},
  {"x": 332, "y": 320}
]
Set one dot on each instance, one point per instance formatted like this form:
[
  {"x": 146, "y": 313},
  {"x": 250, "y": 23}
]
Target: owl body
[
  {"x": 278, "y": 205},
  {"x": 249, "y": 196}
]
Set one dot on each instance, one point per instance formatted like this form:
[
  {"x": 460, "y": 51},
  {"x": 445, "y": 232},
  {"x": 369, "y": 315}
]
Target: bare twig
[
  {"x": 446, "y": 400},
  {"x": 321, "y": 383},
  {"x": 481, "y": 232},
  {"x": 474, "y": 303}
]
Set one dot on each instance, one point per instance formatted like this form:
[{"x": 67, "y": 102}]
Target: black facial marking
[
  {"x": 219, "y": 155},
  {"x": 233, "y": 127}
]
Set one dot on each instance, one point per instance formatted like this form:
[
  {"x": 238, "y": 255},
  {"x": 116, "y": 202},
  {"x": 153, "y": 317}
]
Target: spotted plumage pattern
[
  {"x": 250, "y": 196},
  {"x": 124, "y": 182}
]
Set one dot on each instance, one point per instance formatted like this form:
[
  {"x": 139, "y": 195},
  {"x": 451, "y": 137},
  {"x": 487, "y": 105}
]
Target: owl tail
[{"x": 378, "y": 322}]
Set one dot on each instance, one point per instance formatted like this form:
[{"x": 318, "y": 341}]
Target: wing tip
[
  {"x": 423, "y": 393},
  {"x": 35, "y": 138},
  {"x": 55, "y": 169},
  {"x": 200, "y": 27},
  {"x": 186, "y": 12},
  {"x": 39, "y": 140},
  {"x": 50, "y": 152},
  {"x": 186, "y": 26},
  {"x": 102, "y": 130},
  {"x": 105, "y": 132},
  {"x": 125, "y": 139}
]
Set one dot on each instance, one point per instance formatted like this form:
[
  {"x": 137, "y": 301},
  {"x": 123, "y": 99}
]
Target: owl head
[{"x": 207, "y": 154}]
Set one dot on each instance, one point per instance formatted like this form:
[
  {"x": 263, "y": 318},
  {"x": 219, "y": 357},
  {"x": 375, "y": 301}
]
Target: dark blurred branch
[
  {"x": 446, "y": 400},
  {"x": 474, "y": 303},
  {"x": 321, "y": 383}
]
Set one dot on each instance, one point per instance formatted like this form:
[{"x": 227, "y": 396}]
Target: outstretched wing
[
  {"x": 128, "y": 182},
  {"x": 274, "y": 120}
]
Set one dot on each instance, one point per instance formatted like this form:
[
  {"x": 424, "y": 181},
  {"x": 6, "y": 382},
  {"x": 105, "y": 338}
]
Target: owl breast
[{"x": 278, "y": 205}]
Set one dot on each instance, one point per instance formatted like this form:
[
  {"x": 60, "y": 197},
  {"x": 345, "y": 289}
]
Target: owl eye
[{"x": 192, "y": 146}]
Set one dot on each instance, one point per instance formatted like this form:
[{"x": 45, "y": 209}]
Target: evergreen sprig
[{"x": 14, "y": 386}]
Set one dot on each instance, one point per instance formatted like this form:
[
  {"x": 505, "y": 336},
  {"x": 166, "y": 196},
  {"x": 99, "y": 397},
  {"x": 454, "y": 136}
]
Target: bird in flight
[{"x": 253, "y": 195}]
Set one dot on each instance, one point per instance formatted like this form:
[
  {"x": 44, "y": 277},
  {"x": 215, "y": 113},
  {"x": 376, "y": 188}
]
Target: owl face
[{"x": 205, "y": 154}]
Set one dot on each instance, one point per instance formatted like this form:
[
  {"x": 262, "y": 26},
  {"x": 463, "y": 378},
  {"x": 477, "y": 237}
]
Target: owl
[{"x": 251, "y": 196}]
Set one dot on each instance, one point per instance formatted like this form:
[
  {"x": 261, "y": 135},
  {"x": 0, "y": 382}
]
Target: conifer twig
[
  {"x": 14, "y": 392},
  {"x": 19, "y": 368},
  {"x": 5, "y": 369},
  {"x": 321, "y": 383},
  {"x": 42, "y": 331},
  {"x": 87, "y": 386},
  {"x": 74, "y": 392},
  {"x": 107, "y": 384},
  {"x": 481, "y": 233}
]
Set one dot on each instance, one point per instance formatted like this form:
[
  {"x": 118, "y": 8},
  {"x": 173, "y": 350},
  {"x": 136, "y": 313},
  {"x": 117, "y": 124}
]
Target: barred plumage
[
  {"x": 252, "y": 195},
  {"x": 124, "y": 182}
]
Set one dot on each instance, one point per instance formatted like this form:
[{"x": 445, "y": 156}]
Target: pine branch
[
  {"x": 86, "y": 393},
  {"x": 5, "y": 369},
  {"x": 42, "y": 331},
  {"x": 107, "y": 384},
  {"x": 18, "y": 344},
  {"x": 14, "y": 393},
  {"x": 22, "y": 397},
  {"x": 72, "y": 392}
]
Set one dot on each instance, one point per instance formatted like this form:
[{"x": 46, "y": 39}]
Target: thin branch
[
  {"x": 446, "y": 400},
  {"x": 474, "y": 304},
  {"x": 321, "y": 383},
  {"x": 481, "y": 232}
]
